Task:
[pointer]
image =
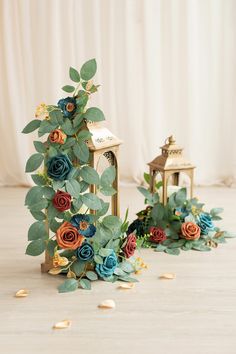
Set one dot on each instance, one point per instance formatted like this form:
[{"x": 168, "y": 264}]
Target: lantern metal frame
[{"x": 170, "y": 163}]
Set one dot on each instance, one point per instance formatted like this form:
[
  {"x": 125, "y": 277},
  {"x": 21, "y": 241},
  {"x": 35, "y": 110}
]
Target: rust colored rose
[
  {"x": 190, "y": 231},
  {"x": 130, "y": 245},
  {"x": 62, "y": 201},
  {"x": 57, "y": 136},
  {"x": 157, "y": 234},
  {"x": 68, "y": 236}
]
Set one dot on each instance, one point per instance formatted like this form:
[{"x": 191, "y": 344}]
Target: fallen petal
[
  {"x": 126, "y": 286},
  {"x": 107, "y": 304},
  {"x": 167, "y": 276},
  {"x": 63, "y": 324},
  {"x": 22, "y": 293}
]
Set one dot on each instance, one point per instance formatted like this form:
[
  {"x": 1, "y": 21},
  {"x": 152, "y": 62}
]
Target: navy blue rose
[
  {"x": 68, "y": 106},
  {"x": 106, "y": 269},
  {"x": 205, "y": 223},
  {"x": 85, "y": 252},
  {"x": 82, "y": 223},
  {"x": 58, "y": 167}
]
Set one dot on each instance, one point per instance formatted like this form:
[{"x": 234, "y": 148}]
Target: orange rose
[
  {"x": 68, "y": 236},
  {"x": 190, "y": 231},
  {"x": 57, "y": 136}
]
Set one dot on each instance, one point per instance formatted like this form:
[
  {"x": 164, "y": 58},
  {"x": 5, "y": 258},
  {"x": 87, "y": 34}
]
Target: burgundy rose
[
  {"x": 157, "y": 234},
  {"x": 62, "y": 201},
  {"x": 130, "y": 245}
]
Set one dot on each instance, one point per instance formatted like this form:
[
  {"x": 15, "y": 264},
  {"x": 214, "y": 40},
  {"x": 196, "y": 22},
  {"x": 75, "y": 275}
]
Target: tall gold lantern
[
  {"x": 170, "y": 163},
  {"x": 104, "y": 149}
]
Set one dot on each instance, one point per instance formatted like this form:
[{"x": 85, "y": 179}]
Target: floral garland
[
  {"x": 84, "y": 246},
  {"x": 181, "y": 224}
]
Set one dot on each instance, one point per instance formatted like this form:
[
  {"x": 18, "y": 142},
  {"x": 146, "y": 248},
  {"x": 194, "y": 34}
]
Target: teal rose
[
  {"x": 58, "y": 167},
  {"x": 68, "y": 106},
  {"x": 106, "y": 269},
  {"x": 85, "y": 252},
  {"x": 205, "y": 223}
]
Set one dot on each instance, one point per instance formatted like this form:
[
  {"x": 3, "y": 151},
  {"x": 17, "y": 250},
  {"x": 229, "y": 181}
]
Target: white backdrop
[{"x": 166, "y": 66}]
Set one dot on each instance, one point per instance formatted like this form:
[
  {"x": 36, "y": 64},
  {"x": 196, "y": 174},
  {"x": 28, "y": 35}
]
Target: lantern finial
[{"x": 170, "y": 140}]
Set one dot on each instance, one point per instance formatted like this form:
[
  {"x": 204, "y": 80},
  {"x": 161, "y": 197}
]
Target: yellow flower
[
  {"x": 59, "y": 261},
  {"x": 41, "y": 111}
]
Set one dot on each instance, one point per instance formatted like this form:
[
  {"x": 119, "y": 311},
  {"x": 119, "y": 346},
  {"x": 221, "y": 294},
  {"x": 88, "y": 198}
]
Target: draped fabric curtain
[{"x": 166, "y": 67}]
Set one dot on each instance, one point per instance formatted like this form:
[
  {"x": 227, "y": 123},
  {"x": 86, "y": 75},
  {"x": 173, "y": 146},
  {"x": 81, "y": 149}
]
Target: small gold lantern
[
  {"x": 104, "y": 149},
  {"x": 170, "y": 163}
]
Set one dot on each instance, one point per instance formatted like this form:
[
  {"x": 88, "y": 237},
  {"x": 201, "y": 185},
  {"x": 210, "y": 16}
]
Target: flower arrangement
[
  {"x": 181, "y": 224},
  {"x": 85, "y": 246}
]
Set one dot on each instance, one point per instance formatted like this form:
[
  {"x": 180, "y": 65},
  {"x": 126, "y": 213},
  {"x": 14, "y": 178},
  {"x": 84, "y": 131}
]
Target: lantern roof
[
  {"x": 101, "y": 136},
  {"x": 171, "y": 157}
]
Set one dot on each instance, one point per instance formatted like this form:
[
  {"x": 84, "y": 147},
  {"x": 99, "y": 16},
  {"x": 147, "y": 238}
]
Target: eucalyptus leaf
[
  {"x": 68, "y": 88},
  {"x": 40, "y": 147},
  {"x": 37, "y": 230},
  {"x": 31, "y": 126},
  {"x": 88, "y": 69},
  {"x": 81, "y": 151},
  {"x": 34, "y": 162},
  {"x": 91, "y": 201},
  {"x": 36, "y": 247},
  {"x": 85, "y": 284},
  {"x": 73, "y": 187},
  {"x": 91, "y": 275},
  {"x": 68, "y": 285},
  {"x": 89, "y": 175},
  {"x": 74, "y": 75},
  {"x": 94, "y": 114}
]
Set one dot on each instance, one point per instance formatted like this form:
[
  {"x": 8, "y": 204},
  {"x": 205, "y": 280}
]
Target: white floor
[{"x": 195, "y": 313}]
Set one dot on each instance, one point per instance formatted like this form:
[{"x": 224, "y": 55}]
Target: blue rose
[
  {"x": 106, "y": 269},
  {"x": 85, "y": 252},
  {"x": 205, "y": 223},
  {"x": 68, "y": 106},
  {"x": 58, "y": 167},
  {"x": 82, "y": 223}
]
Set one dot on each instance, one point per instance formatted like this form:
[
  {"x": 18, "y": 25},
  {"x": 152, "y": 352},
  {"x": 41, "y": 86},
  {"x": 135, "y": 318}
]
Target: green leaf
[
  {"x": 84, "y": 135},
  {"x": 126, "y": 267},
  {"x": 173, "y": 251},
  {"x": 40, "y": 147},
  {"x": 108, "y": 176},
  {"x": 52, "y": 212},
  {"x": 94, "y": 114},
  {"x": 68, "y": 128},
  {"x": 48, "y": 192},
  {"x": 78, "y": 267},
  {"x": 45, "y": 127},
  {"x": 98, "y": 259},
  {"x": 91, "y": 201},
  {"x": 73, "y": 187},
  {"x": 104, "y": 208},
  {"x": 52, "y": 152},
  {"x": 158, "y": 212},
  {"x": 77, "y": 204},
  {"x": 52, "y": 244},
  {"x": 91, "y": 275},
  {"x": 56, "y": 117},
  {"x": 34, "y": 162},
  {"x": 81, "y": 151},
  {"x": 177, "y": 244},
  {"x": 181, "y": 196},
  {"x": 146, "y": 193},
  {"x": 38, "y": 215},
  {"x": 74, "y": 75},
  {"x": 54, "y": 225},
  {"x": 112, "y": 222},
  {"x": 85, "y": 284},
  {"x": 229, "y": 234},
  {"x": 147, "y": 177},
  {"x": 202, "y": 247},
  {"x": 78, "y": 119},
  {"x": 39, "y": 180},
  {"x": 160, "y": 248},
  {"x": 37, "y": 230},
  {"x": 31, "y": 126},
  {"x": 89, "y": 175},
  {"x": 58, "y": 185},
  {"x": 104, "y": 252},
  {"x": 69, "y": 143},
  {"x": 35, "y": 248},
  {"x": 68, "y": 285},
  {"x": 68, "y": 88},
  {"x": 120, "y": 272},
  {"x": 34, "y": 195},
  {"x": 88, "y": 69},
  {"x": 108, "y": 191},
  {"x": 39, "y": 206}
]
